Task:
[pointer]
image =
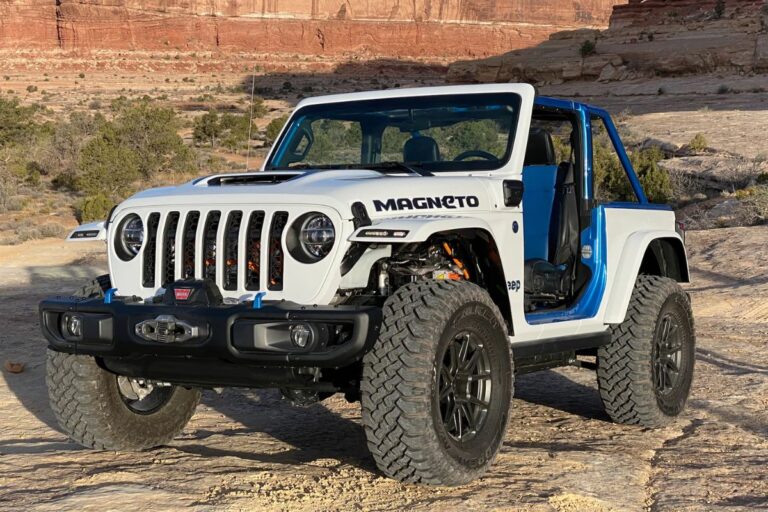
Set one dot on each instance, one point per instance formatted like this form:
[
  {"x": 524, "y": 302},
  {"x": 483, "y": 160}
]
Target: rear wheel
[
  {"x": 437, "y": 385},
  {"x": 645, "y": 373}
]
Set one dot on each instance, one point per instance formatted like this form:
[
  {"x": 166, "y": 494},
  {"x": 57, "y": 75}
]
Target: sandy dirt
[{"x": 248, "y": 450}]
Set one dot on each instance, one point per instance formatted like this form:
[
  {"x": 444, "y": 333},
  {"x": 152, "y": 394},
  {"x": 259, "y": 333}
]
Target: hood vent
[{"x": 261, "y": 178}]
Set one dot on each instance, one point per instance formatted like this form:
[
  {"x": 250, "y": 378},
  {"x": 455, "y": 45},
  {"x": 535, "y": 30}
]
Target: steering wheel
[{"x": 479, "y": 153}]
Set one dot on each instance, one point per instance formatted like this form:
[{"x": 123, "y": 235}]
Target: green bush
[
  {"x": 107, "y": 167},
  {"x": 698, "y": 143},
  {"x": 274, "y": 127},
  {"x": 588, "y": 48},
  {"x": 762, "y": 178},
  {"x": 93, "y": 208},
  {"x": 16, "y": 122},
  {"x": 719, "y": 9},
  {"x": 207, "y": 129},
  {"x": 654, "y": 179}
]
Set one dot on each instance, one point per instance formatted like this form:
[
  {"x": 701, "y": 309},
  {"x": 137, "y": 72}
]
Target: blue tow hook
[
  {"x": 109, "y": 295},
  {"x": 257, "y": 300}
]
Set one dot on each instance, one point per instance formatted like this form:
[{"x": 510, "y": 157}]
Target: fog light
[
  {"x": 301, "y": 335},
  {"x": 72, "y": 326}
]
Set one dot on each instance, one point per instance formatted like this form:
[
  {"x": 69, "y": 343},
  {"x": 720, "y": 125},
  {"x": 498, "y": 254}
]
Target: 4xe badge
[{"x": 182, "y": 293}]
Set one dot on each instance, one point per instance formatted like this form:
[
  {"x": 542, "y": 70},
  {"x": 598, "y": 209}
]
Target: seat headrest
[
  {"x": 541, "y": 149},
  {"x": 421, "y": 149}
]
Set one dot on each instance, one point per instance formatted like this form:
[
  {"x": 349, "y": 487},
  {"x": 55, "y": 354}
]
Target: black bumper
[{"x": 226, "y": 335}]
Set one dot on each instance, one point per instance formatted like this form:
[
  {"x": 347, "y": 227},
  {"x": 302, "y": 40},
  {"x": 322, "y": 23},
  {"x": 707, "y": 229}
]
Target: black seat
[
  {"x": 552, "y": 279},
  {"x": 421, "y": 149},
  {"x": 540, "y": 149}
]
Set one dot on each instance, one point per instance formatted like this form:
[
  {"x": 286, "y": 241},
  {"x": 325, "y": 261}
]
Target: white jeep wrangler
[{"x": 412, "y": 249}]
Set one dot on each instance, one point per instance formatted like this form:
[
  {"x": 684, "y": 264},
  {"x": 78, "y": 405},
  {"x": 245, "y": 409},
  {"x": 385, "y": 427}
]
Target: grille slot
[
  {"x": 253, "y": 251},
  {"x": 148, "y": 268},
  {"x": 188, "y": 245},
  {"x": 209, "y": 245},
  {"x": 231, "y": 264},
  {"x": 276, "y": 254},
  {"x": 169, "y": 248}
]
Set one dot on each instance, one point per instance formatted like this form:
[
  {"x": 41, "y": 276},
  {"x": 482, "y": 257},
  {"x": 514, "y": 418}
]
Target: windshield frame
[{"x": 511, "y": 98}]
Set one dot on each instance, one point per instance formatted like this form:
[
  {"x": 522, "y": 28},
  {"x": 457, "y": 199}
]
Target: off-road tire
[
  {"x": 400, "y": 406},
  {"x": 625, "y": 369},
  {"x": 91, "y": 410},
  {"x": 95, "y": 288}
]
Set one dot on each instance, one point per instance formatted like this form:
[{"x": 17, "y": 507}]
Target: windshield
[{"x": 423, "y": 134}]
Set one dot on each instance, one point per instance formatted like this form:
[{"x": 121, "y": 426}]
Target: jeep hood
[{"x": 382, "y": 194}]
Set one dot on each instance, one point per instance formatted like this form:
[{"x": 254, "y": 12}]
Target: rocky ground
[{"x": 248, "y": 450}]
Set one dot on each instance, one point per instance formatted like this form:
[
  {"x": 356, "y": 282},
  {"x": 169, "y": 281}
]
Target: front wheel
[
  {"x": 645, "y": 373},
  {"x": 104, "y": 411},
  {"x": 437, "y": 385}
]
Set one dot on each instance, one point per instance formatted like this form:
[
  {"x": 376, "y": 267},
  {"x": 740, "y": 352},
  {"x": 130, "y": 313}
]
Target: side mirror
[{"x": 513, "y": 193}]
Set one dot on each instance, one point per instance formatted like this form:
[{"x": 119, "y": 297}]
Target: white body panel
[{"x": 334, "y": 192}]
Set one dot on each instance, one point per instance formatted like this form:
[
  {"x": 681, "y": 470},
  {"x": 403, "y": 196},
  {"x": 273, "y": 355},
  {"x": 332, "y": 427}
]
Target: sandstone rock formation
[
  {"x": 646, "y": 38},
  {"x": 381, "y": 28}
]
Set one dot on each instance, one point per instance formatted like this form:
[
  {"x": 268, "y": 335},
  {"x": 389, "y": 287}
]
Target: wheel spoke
[
  {"x": 665, "y": 325},
  {"x": 457, "y": 422},
  {"x": 479, "y": 376},
  {"x": 453, "y": 358},
  {"x": 445, "y": 392},
  {"x": 463, "y": 350},
  {"x": 473, "y": 359},
  {"x": 471, "y": 427},
  {"x": 671, "y": 365},
  {"x": 477, "y": 402}
]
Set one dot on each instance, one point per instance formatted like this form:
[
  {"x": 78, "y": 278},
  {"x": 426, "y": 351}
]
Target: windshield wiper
[{"x": 397, "y": 166}]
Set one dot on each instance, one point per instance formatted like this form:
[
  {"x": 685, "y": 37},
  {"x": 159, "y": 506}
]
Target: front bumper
[{"x": 223, "y": 336}]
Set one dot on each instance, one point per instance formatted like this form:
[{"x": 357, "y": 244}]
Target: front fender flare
[
  {"x": 629, "y": 267},
  {"x": 415, "y": 228}
]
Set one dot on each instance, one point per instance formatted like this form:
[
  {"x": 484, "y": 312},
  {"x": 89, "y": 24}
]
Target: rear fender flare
[{"x": 638, "y": 245}]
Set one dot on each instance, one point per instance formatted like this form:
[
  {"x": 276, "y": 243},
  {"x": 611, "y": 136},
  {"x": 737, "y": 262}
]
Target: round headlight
[
  {"x": 311, "y": 237},
  {"x": 130, "y": 236}
]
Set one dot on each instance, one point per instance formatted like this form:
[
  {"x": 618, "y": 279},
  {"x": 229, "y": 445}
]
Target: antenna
[{"x": 250, "y": 119}]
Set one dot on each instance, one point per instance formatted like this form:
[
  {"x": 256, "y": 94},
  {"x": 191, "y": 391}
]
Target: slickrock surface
[
  {"x": 248, "y": 450},
  {"x": 645, "y": 40}
]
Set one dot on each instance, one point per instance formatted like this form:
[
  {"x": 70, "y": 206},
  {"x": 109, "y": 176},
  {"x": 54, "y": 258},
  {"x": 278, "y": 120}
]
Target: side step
[{"x": 535, "y": 355}]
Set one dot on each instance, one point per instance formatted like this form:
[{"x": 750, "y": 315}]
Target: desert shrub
[
  {"x": 274, "y": 127},
  {"x": 762, "y": 178},
  {"x": 81, "y": 75},
  {"x": 231, "y": 130},
  {"x": 698, "y": 143},
  {"x": 654, "y": 179},
  {"x": 31, "y": 88},
  {"x": 107, "y": 167},
  {"x": 52, "y": 230},
  {"x": 93, "y": 208},
  {"x": 207, "y": 128},
  {"x": 17, "y": 122},
  {"x": 719, "y": 9},
  {"x": 61, "y": 154},
  {"x": 151, "y": 134},
  {"x": 723, "y": 89},
  {"x": 588, "y": 48}
]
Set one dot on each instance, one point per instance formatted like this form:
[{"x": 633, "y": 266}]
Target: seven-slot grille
[{"x": 225, "y": 246}]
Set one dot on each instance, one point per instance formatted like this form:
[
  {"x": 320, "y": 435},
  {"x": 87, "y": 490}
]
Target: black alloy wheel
[{"x": 464, "y": 387}]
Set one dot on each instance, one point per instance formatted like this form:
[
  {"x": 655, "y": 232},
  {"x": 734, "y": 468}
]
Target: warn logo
[
  {"x": 426, "y": 203},
  {"x": 182, "y": 293}
]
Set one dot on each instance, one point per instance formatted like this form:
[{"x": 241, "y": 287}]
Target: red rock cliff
[{"x": 383, "y": 28}]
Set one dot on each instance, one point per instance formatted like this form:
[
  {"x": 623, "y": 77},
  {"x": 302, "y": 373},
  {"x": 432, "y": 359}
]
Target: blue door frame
[{"x": 595, "y": 236}]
